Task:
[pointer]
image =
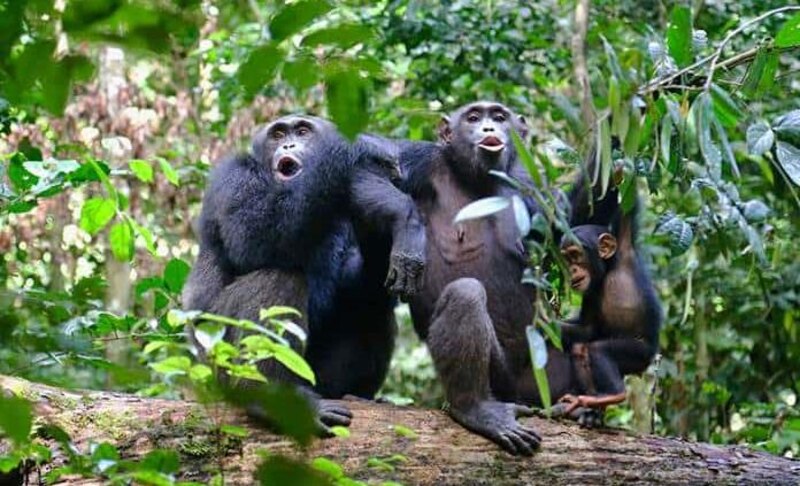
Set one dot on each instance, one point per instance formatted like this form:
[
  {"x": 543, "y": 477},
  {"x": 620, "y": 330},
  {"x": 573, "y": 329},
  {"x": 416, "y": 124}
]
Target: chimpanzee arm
[
  {"x": 572, "y": 332},
  {"x": 386, "y": 209},
  {"x": 205, "y": 282}
]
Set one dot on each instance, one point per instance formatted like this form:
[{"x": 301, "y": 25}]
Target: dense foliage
[{"x": 105, "y": 152}]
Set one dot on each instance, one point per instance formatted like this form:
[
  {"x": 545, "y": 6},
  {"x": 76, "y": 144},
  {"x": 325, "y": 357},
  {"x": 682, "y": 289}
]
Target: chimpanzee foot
[
  {"x": 497, "y": 421},
  {"x": 405, "y": 274},
  {"x": 331, "y": 413}
]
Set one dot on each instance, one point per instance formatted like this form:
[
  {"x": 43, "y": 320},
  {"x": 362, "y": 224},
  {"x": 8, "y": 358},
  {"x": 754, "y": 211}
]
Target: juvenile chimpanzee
[
  {"x": 311, "y": 212},
  {"x": 616, "y": 332}
]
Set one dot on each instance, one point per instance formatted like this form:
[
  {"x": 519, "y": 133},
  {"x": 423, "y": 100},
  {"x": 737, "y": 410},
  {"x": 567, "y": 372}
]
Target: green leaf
[
  {"x": 142, "y": 170},
  {"x": 234, "y": 430},
  {"x": 174, "y": 365},
  {"x": 340, "y": 431},
  {"x": 679, "y": 35},
  {"x": 406, "y": 432},
  {"x": 345, "y": 36},
  {"x": 526, "y": 158},
  {"x": 606, "y": 164},
  {"x": 727, "y": 151},
  {"x": 482, "y": 208},
  {"x": 169, "y": 172},
  {"x": 165, "y": 461},
  {"x": 259, "y": 68},
  {"x": 278, "y": 311},
  {"x": 760, "y": 138},
  {"x": 666, "y": 139},
  {"x": 537, "y": 347},
  {"x": 16, "y": 418},
  {"x": 543, "y": 386},
  {"x": 293, "y": 17},
  {"x": 755, "y": 211},
  {"x": 21, "y": 179},
  {"x": 725, "y": 107},
  {"x": 289, "y": 358},
  {"x": 347, "y": 98},
  {"x": 279, "y": 470},
  {"x": 302, "y": 73},
  {"x": 175, "y": 274},
  {"x": 327, "y": 466},
  {"x": 121, "y": 239},
  {"x": 789, "y": 35},
  {"x": 200, "y": 373},
  {"x": 146, "y": 236},
  {"x": 789, "y": 159},
  {"x": 96, "y": 213},
  {"x": 788, "y": 124}
]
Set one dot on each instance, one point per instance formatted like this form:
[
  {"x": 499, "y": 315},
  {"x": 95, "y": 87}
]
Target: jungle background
[{"x": 112, "y": 112}]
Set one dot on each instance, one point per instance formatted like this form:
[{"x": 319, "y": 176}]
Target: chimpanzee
[
  {"x": 616, "y": 332},
  {"x": 309, "y": 211}
]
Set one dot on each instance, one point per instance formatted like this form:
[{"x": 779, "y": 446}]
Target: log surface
[{"x": 443, "y": 453}]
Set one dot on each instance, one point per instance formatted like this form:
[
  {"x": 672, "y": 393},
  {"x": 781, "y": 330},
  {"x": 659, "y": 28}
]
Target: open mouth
[
  {"x": 287, "y": 168},
  {"x": 492, "y": 144},
  {"x": 578, "y": 282}
]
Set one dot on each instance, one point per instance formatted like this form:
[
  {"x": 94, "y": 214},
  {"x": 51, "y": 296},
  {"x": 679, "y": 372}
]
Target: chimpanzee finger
[
  {"x": 391, "y": 278},
  {"x": 520, "y": 444},
  {"x": 323, "y": 431},
  {"x": 532, "y": 433},
  {"x": 505, "y": 443},
  {"x": 523, "y": 411},
  {"x": 331, "y": 419}
]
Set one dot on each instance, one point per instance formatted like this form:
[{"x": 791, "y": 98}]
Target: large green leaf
[
  {"x": 175, "y": 274},
  {"x": 789, "y": 158},
  {"x": 679, "y": 35},
  {"x": 259, "y": 68},
  {"x": 789, "y": 35},
  {"x": 347, "y": 97},
  {"x": 344, "y": 36},
  {"x": 96, "y": 213},
  {"x": 679, "y": 233},
  {"x": 293, "y": 17}
]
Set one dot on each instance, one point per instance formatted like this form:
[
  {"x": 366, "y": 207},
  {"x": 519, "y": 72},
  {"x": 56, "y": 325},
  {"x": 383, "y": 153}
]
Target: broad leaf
[
  {"x": 482, "y": 208},
  {"x": 347, "y": 97},
  {"x": 289, "y": 358},
  {"x": 521, "y": 215},
  {"x": 759, "y": 138},
  {"x": 788, "y": 124},
  {"x": 96, "y": 213},
  {"x": 121, "y": 240},
  {"x": 344, "y": 36},
  {"x": 16, "y": 418},
  {"x": 259, "y": 68},
  {"x": 293, "y": 17},
  {"x": 679, "y": 35},
  {"x": 169, "y": 172},
  {"x": 789, "y": 35},
  {"x": 142, "y": 170},
  {"x": 679, "y": 232},
  {"x": 175, "y": 274},
  {"x": 789, "y": 158}
]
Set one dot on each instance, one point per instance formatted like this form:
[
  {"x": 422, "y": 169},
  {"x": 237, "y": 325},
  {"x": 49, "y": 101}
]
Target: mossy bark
[{"x": 439, "y": 452}]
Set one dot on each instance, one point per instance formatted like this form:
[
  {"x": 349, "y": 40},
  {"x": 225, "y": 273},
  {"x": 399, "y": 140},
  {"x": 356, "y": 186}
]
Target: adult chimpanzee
[
  {"x": 311, "y": 213},
  {"x": 473, "y": 308},
  {"x": 616, "y": 332}
]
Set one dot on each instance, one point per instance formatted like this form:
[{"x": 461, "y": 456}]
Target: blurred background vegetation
[{"x": 113, "y": 111}]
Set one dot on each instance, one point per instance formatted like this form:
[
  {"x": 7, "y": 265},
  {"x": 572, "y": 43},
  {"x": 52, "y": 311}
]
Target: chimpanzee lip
[
  {"x": 287, "y": 167},
  {"x": 492, "y": 144},
  {"x": 577, "y": 283}
]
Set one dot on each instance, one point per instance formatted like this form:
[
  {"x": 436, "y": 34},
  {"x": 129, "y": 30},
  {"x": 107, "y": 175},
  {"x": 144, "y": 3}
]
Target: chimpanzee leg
[
  {"x": 243, "y": 299},
  {"x": 612, "y": 359},
  {"x": 462, "y": 342}
]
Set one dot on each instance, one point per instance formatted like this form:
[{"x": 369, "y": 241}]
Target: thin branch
[
  {"x": 580, "y": 65},
  {"x": 718, "y": 53}
]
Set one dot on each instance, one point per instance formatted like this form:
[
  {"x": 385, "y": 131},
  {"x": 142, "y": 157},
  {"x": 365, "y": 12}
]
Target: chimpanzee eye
[
  {"x": 278, "y": 134},
  {"x": 473, "y": 118},
  {"x": 303, "y": 131},
  {"x": 499, "y": 117}
]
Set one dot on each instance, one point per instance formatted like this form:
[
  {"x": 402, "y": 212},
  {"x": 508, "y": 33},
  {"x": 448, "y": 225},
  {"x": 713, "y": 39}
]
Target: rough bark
[{"x": 442, "y": 453}]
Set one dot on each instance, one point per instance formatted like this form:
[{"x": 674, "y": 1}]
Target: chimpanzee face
[
  {"x": 480, "y": 135},
  {"x": 578, "y": 263},
  {"x": 586, "y": 257},
  {"x": 289, "y": 144}
]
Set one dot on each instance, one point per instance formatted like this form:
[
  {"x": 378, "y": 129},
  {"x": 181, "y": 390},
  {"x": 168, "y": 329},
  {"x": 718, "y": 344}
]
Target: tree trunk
[{"x": 441, "y": 453}]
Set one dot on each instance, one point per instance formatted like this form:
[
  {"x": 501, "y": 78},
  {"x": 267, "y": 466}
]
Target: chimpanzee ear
[
  {"x": 522, "y": 127},
  {"x": 445, "y": 131},
  {"x": 606, "y": 246}
]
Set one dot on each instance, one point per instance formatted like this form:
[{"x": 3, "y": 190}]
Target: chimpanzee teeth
[{"x": 492, "y": 148}]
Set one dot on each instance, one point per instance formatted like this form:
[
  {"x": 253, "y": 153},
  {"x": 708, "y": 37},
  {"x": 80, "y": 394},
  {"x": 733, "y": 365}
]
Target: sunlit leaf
[
  {"x": 344, "y": 36},
  {"x": 169, "y": 172},
  {"x": 537, "y": 347},
  {"x": 96, "y": 213},
  {"x": 165, "y": 461},
  {"x": 142, "y": 170},
  {"x": 282, "y": 470},
  {"x": 789, "y": 159},
  {"x": 174, "y": 365},
  {"x": 259, "y": 68},
  {"x": 679, "y": 35},
  {"x": 327, "y": 466},
  {"x": 760, "y": 138},
  {"x": 789, "y": 35},
  {"x": 482, "y": 208},
  {"x": 289, "y": 358},
  {"x": 278, "y": 311},
  {"x": 121, "y": 240},
  {"x": 234, "y": 430}
]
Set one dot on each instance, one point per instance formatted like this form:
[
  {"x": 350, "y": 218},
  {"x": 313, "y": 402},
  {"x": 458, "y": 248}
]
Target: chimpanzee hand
[
  {"x": 497, "y": 421},
  {"x": 590, "y": 418},
  {"x": 405, "y": 274},
  {"x": 330, "y": 413}
]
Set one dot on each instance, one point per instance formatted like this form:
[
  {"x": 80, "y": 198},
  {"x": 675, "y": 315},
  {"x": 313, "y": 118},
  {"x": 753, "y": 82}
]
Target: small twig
[{"x": 718, "y": 53}]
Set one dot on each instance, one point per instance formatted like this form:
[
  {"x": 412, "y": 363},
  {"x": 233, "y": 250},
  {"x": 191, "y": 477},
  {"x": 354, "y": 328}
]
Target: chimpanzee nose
[
  {"x": 488, "y": 128},
  {"x": 288, "y": 146}
]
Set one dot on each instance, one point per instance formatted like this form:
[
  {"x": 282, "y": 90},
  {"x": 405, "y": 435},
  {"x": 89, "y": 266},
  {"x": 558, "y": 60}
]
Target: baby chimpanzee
[{"x": 616, "y": 332}]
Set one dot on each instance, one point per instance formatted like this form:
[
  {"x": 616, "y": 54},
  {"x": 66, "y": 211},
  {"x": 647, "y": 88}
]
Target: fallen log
[{"x": 437, "y": 452}]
